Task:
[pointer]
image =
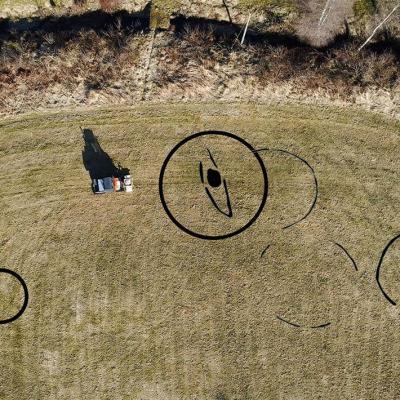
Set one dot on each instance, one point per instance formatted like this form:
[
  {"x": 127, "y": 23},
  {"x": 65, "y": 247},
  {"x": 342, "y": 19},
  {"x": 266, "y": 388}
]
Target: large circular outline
[
  {"x": 26, "y": 296},
  {"x": 199, "y": 235}
]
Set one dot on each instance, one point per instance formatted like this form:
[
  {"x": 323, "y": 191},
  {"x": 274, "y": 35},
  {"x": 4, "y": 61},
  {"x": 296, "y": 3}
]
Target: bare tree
[
  {"x": 325, "y": 12},
  {"x": 227, "y": 10},
  {"x": 245, "y": 29},
  {"x": 378, "y": 27}
]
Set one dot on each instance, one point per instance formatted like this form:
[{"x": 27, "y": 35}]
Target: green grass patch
[
  {"x": 264, "y": 5},
  {"x": 364, "y": 8}
]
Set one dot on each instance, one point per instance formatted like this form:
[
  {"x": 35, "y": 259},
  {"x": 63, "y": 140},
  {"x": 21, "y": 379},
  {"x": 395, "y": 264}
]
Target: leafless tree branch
[
  {"x": 245, "y": 29},
  {"x": 378, "y": 27}
]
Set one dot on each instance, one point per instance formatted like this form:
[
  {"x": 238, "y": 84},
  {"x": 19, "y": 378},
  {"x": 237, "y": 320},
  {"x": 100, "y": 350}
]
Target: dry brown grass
[
  {"x": 110, "y": 5},
  {"x": 102, "y": 61},
  {"x": 339, "y": 69},
  {"x": 126, "y": 306},
  {"x": 95, "y": 58}
]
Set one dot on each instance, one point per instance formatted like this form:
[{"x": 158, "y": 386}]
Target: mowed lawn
[{"x": 124, "y": 305}]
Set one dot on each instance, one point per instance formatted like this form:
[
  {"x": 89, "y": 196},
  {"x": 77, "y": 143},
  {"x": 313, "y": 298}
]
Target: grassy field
[{"x": 124, "y": 305}]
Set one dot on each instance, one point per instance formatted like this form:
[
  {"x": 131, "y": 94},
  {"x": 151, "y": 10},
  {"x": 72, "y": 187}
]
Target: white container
[{"x": 128, "y": 183}]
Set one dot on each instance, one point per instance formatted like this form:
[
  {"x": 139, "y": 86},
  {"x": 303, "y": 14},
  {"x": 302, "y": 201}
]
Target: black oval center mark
[
  {"x": 214, "y": 178},
  {"x": 214, "y": 181}
]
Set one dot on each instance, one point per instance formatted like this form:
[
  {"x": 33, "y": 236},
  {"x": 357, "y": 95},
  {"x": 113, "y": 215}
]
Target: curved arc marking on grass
[
  {"x": 292, "y": 323},
  {"x": 314, "y": 177},
  {"x": 302, "y": 326},
  {"x": 229, "y": 214},
  {"x": 347, "y": 254},
  {"x": 212, "y": 158},
  {"x": 265, "y": 250},
  {"x": 201, "y": 172},
  {"x": 321, "y": 326},
  {"x": 378, "y": 269},
  {"x": 288, "y": 322}
]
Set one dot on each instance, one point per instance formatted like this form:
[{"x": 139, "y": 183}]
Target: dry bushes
[
  {"x": 110, "y": 5},
  {"x": 101, "y": 60},
  {"x": 340, "y": 70},
  {"x": 94, "y": 58}
]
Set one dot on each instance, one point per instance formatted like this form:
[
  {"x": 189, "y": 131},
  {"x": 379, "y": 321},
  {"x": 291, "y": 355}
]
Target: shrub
[
  {"x": 265, "y": 5},
  {"x": 364, "y": 8},
  {"x": 109, "y": 5}
]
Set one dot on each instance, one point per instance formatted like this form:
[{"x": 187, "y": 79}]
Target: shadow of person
[{"x": 96, "y": 161}]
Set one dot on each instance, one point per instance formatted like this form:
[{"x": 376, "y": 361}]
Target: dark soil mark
[
  {"x": 214, "y": 180},
  {"x": 163, "y": 185}
]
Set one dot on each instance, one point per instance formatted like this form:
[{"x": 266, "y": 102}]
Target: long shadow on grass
[
  {"x": 227, "y": 34},
  {"x": 96, "y": 161},
  {"x": 47, "y": 35},
  {"x": 117, "y": 27},
  {"x": 97, "y": 20}
]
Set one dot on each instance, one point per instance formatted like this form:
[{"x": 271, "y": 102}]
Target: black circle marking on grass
[
  {"x": 314, "y": 177},
  {"x": 378, "y": 269},
  {"x": 199, "y": 235},
  {"x": 300, "y": 326},
  {"x": 347, "y": 254},
  {"x": 26, "y": 296}
]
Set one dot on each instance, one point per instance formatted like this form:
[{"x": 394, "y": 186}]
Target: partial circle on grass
[{"x": 26, "y": 296}]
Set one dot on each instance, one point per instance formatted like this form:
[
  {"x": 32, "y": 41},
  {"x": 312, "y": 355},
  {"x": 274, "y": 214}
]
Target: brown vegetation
[
  {"x": 109, "y": 5},
  {"x": 94, "y": 59},
  {"x": 33, "y": 64},
  {"x": 340, "y": 68}
]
